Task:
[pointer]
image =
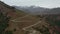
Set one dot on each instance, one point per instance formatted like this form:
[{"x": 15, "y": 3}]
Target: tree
[{"x": 4, "y": 20}]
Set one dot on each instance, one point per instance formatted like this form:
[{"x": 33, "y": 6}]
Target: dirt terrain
[{"x": 23, "y": 23}]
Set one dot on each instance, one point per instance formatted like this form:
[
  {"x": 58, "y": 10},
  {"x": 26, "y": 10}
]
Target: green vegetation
[
  {"x": 54, "y": 22},
  {"x": 5, "y": 5},
  {"x": 18, "y": 11},
  {"x": 4, "y": 19},
  {"x": 43, "y": 30}
]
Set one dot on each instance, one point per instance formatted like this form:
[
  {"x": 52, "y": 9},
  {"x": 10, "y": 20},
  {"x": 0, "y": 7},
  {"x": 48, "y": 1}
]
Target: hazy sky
[{"x": 42, "y": 3}]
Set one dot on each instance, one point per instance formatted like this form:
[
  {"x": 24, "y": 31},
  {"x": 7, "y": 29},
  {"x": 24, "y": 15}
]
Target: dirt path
[
  {"x": 31, "y": 25},
  {"x": 14, "y": 20}
]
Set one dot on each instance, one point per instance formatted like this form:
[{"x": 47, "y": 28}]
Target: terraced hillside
[
  {"x": 22, "y": 20},
  {"x": 23, "y": 23}
]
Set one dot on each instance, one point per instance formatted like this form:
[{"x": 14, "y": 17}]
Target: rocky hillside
[
  {"x": 35, "y": 10},
  {"x": 23, "y": 23}
]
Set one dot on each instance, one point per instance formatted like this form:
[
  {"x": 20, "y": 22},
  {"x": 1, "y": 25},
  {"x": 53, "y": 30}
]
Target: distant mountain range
[
  {"x": 22, "y": 23},
  {"x": 35, "y": 10}
]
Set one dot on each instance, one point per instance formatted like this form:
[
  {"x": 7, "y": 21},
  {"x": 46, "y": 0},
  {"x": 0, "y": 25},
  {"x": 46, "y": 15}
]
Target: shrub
[{"x": 4, "y": 19}]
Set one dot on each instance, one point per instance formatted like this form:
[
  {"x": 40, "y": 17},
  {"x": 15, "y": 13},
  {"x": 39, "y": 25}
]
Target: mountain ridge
[
  {"x": 35, "y": 10},
  {"x": 23, "y": 23}
]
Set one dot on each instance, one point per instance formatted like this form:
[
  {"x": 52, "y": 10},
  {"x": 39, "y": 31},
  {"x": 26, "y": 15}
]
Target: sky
[{"x": 41, "y": 3}]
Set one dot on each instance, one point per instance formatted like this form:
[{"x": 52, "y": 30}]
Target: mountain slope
[
  {"x": 23, "y": 23},
  {"x": 34, "y": 10}
]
